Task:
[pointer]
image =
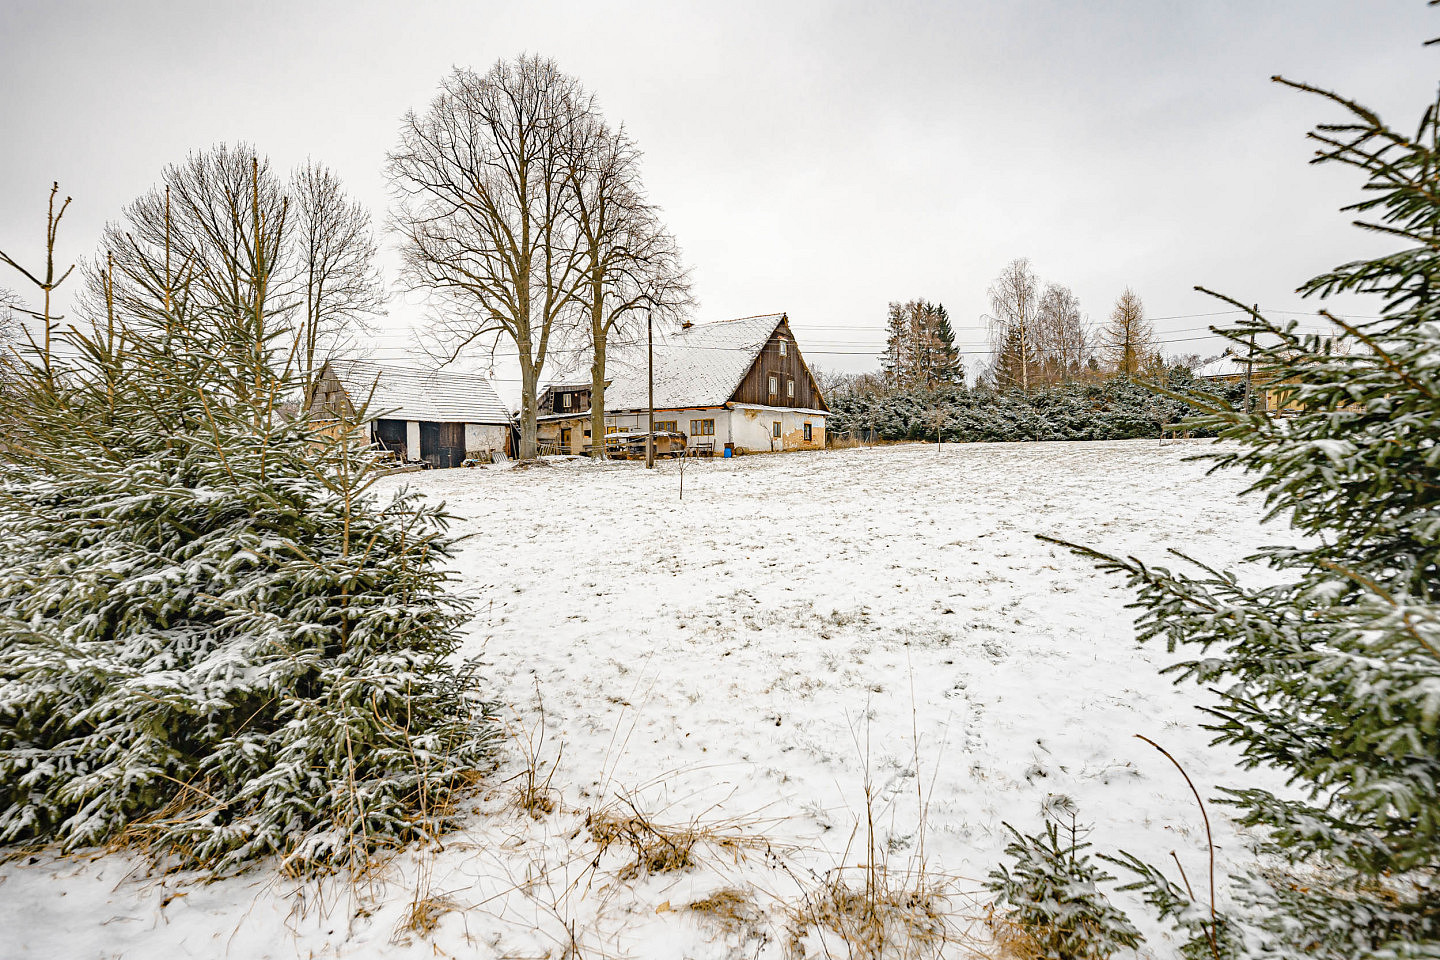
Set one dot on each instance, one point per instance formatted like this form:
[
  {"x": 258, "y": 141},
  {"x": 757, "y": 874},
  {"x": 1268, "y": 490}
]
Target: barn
[{"x": 438, "y": 416}]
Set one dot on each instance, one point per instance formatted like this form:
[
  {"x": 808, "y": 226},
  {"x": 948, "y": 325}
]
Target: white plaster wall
[{"x": 483, "y": 437}]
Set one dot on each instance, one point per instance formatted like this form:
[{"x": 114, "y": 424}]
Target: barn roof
[
  {"x": 696, "y": 367},
  {"x": 411, "y": 393}
]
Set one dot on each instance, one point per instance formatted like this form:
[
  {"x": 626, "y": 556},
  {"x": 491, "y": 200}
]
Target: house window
[
  {"x": 808, "y": 436},
  {"x": 702, "y": 428},
  {"x": 782, "y": 348},
  {"x": 564, "y": 401},
  {"x": 666, "y": 426},
  {"x": 790, "y": 389},
  {"x": 774, "y": 384},
  {"x": 775, "y": 430}
]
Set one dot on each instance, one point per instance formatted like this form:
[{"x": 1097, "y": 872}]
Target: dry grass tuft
[
  {"x": 662, "y": 848},
  {"x": 1013, "y": 941},
  {"x": 424, "y": 913},
  {"x": 878, "y": 919},
  {"x": 730, "y": 907}
]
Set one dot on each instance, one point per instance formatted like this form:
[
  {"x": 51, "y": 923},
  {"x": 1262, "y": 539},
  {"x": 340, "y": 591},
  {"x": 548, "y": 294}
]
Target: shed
[{"x": 439, "y": 416}]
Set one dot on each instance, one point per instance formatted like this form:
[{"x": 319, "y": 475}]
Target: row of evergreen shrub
[{"x": 1118, "y": 409}]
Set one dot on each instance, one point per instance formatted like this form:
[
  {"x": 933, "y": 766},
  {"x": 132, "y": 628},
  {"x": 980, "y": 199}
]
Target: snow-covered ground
[{"x": 746, "y": 659}]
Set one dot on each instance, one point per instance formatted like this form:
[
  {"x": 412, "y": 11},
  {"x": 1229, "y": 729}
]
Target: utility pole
[
  {"x": 650, "y": 437},
  {"x": 1249, "y": 366}
]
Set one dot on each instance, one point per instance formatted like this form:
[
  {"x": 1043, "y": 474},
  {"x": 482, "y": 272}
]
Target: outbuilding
[{"x": 441, "y": 417}]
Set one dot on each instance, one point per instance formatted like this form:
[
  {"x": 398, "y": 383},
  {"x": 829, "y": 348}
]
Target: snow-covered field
[{"x": 747, "y": 659}]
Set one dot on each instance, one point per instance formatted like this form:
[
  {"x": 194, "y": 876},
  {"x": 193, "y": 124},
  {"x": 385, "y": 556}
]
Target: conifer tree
[
  {"x": 220, "y": 644},
  {"x": 1332, "y": 676}
]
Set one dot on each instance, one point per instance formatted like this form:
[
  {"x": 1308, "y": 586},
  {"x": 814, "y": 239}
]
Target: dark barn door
[
  {"x": 442, "y": 444},
  {"x": 391, "y": 435}
]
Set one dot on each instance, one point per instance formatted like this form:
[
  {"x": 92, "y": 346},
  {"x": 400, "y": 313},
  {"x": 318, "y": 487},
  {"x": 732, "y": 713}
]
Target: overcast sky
[{"x": 820, "y": 159}]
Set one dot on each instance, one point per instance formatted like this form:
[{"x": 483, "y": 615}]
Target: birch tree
[
  {"x": 485, "y": 208},
  {"x": 1014, "y": 305},
  {"x": 1065, "y": 344}
]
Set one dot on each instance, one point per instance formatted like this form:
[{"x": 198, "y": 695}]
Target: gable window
[
  {"x": 808, "y": 436},
  {"x": 775, "y": 430},
  {"x": 564, "y": 401},
  {"x": 774, "y": 384},
  {"x": 702, "y": 428},
  {"x": 790, "y": 389},
  {"x": 782, "y": 347}
]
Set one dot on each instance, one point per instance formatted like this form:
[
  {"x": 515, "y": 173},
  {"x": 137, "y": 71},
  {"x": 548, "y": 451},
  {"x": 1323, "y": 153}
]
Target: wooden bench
[{"x": 702, "y": 447}]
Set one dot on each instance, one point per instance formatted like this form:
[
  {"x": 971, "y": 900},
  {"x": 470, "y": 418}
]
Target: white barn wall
[{"x": 483, "y": 437}]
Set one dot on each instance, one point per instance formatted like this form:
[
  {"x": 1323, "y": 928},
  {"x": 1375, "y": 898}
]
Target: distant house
[
  {"x": 1232, "y": 368},
  {"x": 562, "y": 417},
  {"x": 741, "y": 384},
  {"x": 437, "y": 416}
]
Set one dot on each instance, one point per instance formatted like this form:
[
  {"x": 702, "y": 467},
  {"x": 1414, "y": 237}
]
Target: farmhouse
[
  {"x": 740, "y": 385},
  {"x": 437, "y": 416}
]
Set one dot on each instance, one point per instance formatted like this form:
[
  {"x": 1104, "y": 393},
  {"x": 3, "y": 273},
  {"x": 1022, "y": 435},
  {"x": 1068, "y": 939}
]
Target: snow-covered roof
[
  {"x": 1225, "y": 365},
  {"x": 411, "y": 393},
  {"x": 700, "y": 366}
]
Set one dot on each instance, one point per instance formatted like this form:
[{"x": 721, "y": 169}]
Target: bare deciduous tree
[
  {"x": 631, "y": 262},
  {"x": 1064, "y": 343},
  {"x": 206, "y": 249},
  {"x": 340, "y": 287},
  {"x": 223, "y": 237},
  {"x": 485, "y": 208},
  {"x": 1128, "y": 339},
  {"x": 1014, "y": 305}
]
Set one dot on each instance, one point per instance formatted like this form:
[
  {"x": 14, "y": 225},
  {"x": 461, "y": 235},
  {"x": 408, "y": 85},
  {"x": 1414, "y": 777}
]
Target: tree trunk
[
  {"x": 529, "y": 378},
  {"x": 597, "y": 372}
]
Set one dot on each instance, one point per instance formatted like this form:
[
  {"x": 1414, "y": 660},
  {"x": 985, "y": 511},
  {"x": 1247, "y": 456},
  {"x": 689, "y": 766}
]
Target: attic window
[
  {"x": 565, "y": 401},
  {"x": 774, "y": 384},
  {"x": 783, "y": 348},
  {"x": 790, "y": 389}
]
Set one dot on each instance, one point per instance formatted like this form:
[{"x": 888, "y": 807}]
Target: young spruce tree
[
  {"x": 219, "y": 643},
  {"x": 1333, "y": 675}
]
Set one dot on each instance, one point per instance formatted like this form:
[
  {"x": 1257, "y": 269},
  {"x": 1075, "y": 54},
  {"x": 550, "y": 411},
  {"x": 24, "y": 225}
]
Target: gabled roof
[
  {"x": 411, "y": 393},
  {"x": 696, "y": 367}
]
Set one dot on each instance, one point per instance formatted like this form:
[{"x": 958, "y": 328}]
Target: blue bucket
[{"x": 729, "y": 452}]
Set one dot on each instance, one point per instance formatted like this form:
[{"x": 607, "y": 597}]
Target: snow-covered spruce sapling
[
  {"x": 1051, "y": 893},
  {"x": 1332, "y": 676},
  {"x": 218, "y": 642}
]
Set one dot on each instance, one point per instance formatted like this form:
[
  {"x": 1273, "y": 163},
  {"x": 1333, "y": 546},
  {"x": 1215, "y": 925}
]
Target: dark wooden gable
[
  {"x": 786, "y": 368},
  {"x": 328, "y": 399},
  {"x": 551, "y": 402}
]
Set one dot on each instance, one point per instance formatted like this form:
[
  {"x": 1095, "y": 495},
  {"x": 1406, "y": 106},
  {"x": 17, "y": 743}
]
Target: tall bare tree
[
  {"x": 340, "y": 288},
  {"x": 1128, "y": 340},
  {"x": 1014, "y": 306},
  {"x": 207, "y": 248},
  {"x": 631, "y": 262},
  {"x": 1064, "y": 343},
  {"x": 485, "y": 209}
]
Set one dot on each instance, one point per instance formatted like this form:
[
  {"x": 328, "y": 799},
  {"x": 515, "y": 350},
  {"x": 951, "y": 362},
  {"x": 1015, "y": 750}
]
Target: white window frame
[
  {"x": 774, "y": 384},
  {"x": 790, "y": 388},
  {"x": 782, "y": 346}
]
